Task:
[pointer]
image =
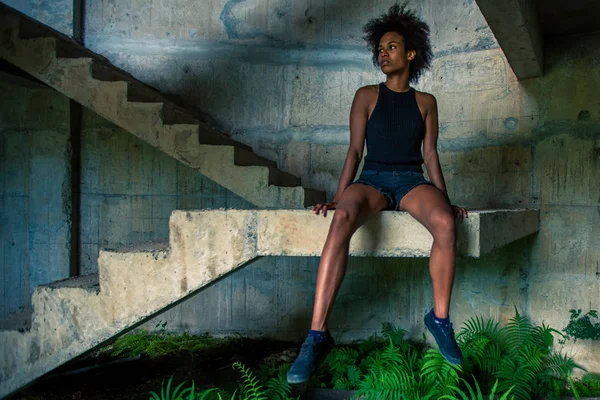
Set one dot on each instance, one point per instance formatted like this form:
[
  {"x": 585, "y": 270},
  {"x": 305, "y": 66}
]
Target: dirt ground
[{"x": 135, "y": 379}]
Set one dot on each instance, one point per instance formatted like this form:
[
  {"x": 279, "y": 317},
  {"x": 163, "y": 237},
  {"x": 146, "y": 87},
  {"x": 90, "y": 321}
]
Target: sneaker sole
[
  {"x": 295, "y": 381},
  {"x": 449, "y": 358}
]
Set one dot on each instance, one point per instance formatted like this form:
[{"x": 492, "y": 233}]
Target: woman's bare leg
[
  {"x": 428, "y": 205},
  {"x": 357, "y": 204}
]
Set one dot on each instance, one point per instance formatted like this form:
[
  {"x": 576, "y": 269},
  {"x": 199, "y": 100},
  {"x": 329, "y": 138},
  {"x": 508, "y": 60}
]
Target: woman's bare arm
[
  {"x": 430, "y": 154},
  {"x": 359, "y": 114},
  {"x": 358, "y": 127}
]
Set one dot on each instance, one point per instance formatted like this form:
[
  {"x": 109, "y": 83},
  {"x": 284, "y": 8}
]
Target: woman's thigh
[
  {"x": 359, "y": 202},
  {"x": 427, "y": 204}
]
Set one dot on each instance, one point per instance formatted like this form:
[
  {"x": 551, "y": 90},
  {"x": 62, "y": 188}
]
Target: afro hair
[{"x": 414, "y": 31}]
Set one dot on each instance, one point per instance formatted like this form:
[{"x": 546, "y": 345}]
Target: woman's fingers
[
  {"x": 460, "y": 213},
  {"x": 323, "y": 207}
]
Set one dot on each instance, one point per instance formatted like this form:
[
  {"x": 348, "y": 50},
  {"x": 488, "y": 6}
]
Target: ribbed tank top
[{"x": 395, "y": 132}]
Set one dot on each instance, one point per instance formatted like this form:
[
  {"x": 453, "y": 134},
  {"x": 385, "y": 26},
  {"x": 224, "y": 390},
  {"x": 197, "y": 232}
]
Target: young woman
[{"x": 395, "y": 120}]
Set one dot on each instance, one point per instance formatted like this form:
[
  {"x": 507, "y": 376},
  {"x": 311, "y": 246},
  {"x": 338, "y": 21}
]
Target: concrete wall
[
  {"x": 281, "y": 77},
  {"x": 35, "y": 192},
  {"x": 57, "y": 14}
]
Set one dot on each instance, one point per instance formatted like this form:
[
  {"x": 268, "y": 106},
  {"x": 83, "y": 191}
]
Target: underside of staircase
[{"x": 95, "y": 83}]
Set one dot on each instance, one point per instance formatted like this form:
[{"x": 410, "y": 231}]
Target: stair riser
[
  {"x": 16, "y": 350},
  {"x": 121, "y": 279},
  {"x": 64, "y": 315}
]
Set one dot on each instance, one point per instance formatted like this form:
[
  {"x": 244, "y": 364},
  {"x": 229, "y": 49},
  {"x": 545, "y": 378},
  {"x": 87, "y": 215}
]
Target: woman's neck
[{"x": 397, "y": 83}]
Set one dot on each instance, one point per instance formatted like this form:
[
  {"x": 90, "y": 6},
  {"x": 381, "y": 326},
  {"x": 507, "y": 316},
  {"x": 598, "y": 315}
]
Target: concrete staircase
[
  {"x": 92, "y": 81},
  {"x": 73, "y": 317}
]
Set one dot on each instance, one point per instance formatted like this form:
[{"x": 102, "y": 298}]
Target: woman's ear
[{"x": 411, "y": 54}]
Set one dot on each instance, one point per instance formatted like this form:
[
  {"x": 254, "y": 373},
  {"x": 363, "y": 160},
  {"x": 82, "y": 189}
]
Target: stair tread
[
  {"x": 244, "y": 157},
  {"x": 87, "y": 282},
  {"x": 148, "y": 247},
  {"x": 18, "y": 321}
]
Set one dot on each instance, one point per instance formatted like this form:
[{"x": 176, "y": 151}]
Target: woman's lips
[{"x": 383, "y": 63}]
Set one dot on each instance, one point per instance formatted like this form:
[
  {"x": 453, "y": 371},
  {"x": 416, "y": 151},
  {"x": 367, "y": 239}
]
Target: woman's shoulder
[
  {"x": 425, "y": 100},
  {"x": 367, "y": 92},
  {"x": 426, "y": 97}
]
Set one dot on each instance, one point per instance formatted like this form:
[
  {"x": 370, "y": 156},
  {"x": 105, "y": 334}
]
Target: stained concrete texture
[
  {"x": 74, "y": 316},
  {"x": 57, "y": 14},
  {"x": 35, "y": 192}
]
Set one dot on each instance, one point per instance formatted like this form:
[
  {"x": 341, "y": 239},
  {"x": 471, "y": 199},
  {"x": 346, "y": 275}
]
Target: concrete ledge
[{"x": 389, "y": 233}]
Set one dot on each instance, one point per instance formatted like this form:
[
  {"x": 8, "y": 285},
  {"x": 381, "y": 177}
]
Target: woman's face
[{"x": 392, "y": 56}]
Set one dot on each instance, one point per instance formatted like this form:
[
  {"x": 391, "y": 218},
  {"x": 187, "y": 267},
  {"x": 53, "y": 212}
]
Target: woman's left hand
[{"x": 460, "y": 212}]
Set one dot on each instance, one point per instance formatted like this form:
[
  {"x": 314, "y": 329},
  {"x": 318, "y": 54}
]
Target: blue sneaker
[
  {"x": 444, "y": 337},
  {"x": 310, "y": 355}
]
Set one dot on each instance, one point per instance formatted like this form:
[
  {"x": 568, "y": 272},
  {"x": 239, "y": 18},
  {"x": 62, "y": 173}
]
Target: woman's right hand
[{"x": 324, "y": 207}]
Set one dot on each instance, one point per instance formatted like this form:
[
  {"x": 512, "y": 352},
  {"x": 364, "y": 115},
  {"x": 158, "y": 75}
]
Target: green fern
[
  {"x": 165, "y": 393},
  {"x": 278, "y": 387},
  {"x": 340, "y": 361},
  {"x": 439, "y": 373},
  {"x": 474, "y": 394},
  {"x": 517, "y": 333},
  {"x": 251, "y": 389},
  {"x": 396, "y": 335}
]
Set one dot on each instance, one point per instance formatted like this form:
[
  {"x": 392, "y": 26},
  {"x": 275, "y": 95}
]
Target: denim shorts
[{"x": 392, "y": 184}]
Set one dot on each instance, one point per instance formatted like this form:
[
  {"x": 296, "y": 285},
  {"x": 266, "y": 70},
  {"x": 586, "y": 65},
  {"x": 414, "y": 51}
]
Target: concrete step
[
  {"x": 244, "y": 157},
  {"x": 284, "y": 179}
]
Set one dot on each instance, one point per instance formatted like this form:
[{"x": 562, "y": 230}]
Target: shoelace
[
  {"x": 306, "y": 349},
  {"x": 447, "y": 330}
]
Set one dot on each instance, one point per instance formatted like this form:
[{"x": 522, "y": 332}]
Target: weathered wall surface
[
  {"x": 281, "y": 77},
  {"x": 57, "y": 14},
  {"x": 35, "y": 192}
]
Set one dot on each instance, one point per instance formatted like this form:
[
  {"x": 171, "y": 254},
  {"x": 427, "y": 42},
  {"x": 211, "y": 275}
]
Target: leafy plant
[
  {"x": 517, "y": 356},
  {"x": 582, "y": 327},
  {"x": 474, "y": 394},
  {"x": 165, "y": 393}
]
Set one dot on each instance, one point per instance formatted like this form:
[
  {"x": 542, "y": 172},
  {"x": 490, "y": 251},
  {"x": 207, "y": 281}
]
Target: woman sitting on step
[{"x": 395, "y": 120}]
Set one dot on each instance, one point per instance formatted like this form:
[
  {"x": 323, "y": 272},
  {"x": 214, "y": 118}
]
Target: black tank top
[{"x": 395, "y": 132}]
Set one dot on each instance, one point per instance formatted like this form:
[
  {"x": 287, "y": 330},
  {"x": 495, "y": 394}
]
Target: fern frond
[
  {"x": 252, "y": 388},
  {"x": 518, "y": 332},
  {"x": 437, "y": 372},
  {"x": 521, "y": 378},
  {"x": 278, "y": 387},
  {"x": 561, "y": 365},
  {"x": 478, "y": 327}
]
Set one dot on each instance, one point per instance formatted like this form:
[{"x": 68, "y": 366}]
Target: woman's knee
[
  {"x": 344, "y": 217},
  {"x": 442, "y": 225}
]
